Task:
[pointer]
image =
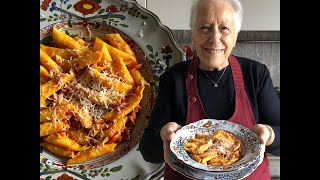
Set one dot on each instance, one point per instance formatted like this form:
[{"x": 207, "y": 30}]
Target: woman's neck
[{"x": 212, "y": 67}]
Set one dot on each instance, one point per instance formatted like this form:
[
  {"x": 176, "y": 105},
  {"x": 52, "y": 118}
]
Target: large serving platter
[
  {"x": 156, "y": 49},
  {"x": 250, "y": 147}
]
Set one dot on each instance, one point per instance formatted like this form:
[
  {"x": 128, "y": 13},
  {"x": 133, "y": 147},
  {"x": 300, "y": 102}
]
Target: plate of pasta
[
  {"x": 195, "y": 173},
  {"x": 215, "y": 145},
  {"x": 100, "y": 63}
]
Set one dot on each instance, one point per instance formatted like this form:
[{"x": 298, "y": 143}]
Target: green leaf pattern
[
  {"x": 158, "y": 66},
  {"x": 46, "y": 169}
]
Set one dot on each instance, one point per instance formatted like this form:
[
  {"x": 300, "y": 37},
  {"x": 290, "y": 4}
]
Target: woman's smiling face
[{"x": 214, "y": 34}]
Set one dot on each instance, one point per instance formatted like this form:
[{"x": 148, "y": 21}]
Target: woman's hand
[
  {"x": 167, "y": 133},
  {"x": 266, "y": 135}
]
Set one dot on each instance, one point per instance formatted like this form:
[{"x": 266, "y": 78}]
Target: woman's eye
[
  {"x": 205, "y": 29},
  {"x": 225, "y": 29}
]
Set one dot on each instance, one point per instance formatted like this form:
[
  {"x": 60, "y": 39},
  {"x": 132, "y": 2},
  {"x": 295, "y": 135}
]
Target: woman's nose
[{"x": 214, "y": 37}]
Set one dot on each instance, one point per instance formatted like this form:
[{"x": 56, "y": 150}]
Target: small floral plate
[{"x": 250, "y": 143}]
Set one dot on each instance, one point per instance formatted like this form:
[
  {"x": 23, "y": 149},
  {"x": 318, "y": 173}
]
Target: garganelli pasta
[
  {"x": 219, "y": 149},
  {"x": 90, "y": 94}
]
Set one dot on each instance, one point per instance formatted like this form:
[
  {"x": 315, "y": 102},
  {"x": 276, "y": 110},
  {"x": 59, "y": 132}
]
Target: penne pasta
[
  {"x": 116, "y": 41},
  {"x": 85, "y": 61},
  {"x": 49, "y": 63},
  {"x": 64, "y": 53},
  {"x": 48, "y": 128},
  {"x": 55, "y": 113},
  {"x": 92, "y": 153},
  {"x": 52, "y": 86},
  {"x": 220, "y": 149},
  {"x": 101, "y": 46},
  {"x": 90, "y": 94},
  {"x": 132, "y": 102},
  {"x": 62, "y": 140},
  {"x": 59, "y": 150},
  {"x": 122, "y": 71},
  {"x": 64, "y": 41}
]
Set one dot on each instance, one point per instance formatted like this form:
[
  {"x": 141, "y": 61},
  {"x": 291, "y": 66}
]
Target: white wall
[
  {"x": 258, "y": 14},
  {"x": 173, "y": 13},
  {"x": 142, "y": 3},
  {"x": 261, "y": 14}
]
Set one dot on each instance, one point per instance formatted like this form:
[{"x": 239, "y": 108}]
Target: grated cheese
[{"x": 87, "y": 96}]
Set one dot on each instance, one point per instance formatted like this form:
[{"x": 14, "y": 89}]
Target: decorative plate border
[
  {"x": 142, "y": 26},
  {"x": 194, "y": 173},
  {"x": 250, "y": 150}
]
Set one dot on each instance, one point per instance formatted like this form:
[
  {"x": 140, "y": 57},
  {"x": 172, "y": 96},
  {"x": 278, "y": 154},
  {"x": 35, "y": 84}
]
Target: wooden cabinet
[{"x": 258, "y": 14}]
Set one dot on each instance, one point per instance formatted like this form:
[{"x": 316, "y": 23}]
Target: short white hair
[{"x": 234, "y": 3}]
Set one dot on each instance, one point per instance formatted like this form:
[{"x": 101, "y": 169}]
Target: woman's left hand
[
  {"x": 263, "y": 133},
  {"x": 167, "y": 133}
]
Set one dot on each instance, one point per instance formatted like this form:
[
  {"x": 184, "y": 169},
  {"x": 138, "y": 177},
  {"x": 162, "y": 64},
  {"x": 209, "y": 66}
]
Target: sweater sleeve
[
  {"x": 269, "y": 109},
  {"x": 150, "y": 144}
]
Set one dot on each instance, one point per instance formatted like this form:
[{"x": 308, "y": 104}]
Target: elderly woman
[{"x": 214, "y": 85}]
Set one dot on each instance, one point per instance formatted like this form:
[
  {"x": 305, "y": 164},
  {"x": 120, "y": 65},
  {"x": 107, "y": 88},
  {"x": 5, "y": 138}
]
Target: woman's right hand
[{"x": 167, "y": 133}]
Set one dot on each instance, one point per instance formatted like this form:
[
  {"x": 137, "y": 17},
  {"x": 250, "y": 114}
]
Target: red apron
[{"x": 242, "y": 114}]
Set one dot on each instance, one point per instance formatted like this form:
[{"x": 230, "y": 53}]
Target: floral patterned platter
[
  {"x": 156, "y": 49},
  {"x": 250, "y": 148},
  {"x": 194, "y": 173}
]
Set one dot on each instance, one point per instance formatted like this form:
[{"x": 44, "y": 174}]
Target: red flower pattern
[
  {"x": 86, "y": 7},
  {"x": 166, "y": 50},
  {"x": 112, "y": 8},
  {"x": 65, "y": 176},
  {"x": 45, "y": 4}
]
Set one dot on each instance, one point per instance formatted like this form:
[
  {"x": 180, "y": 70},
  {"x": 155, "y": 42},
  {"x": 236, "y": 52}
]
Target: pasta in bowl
[
  {"x": 219, "y": 149},
  {"x": 94, "y": 95},
  {"x": 215, "y": 145}
]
